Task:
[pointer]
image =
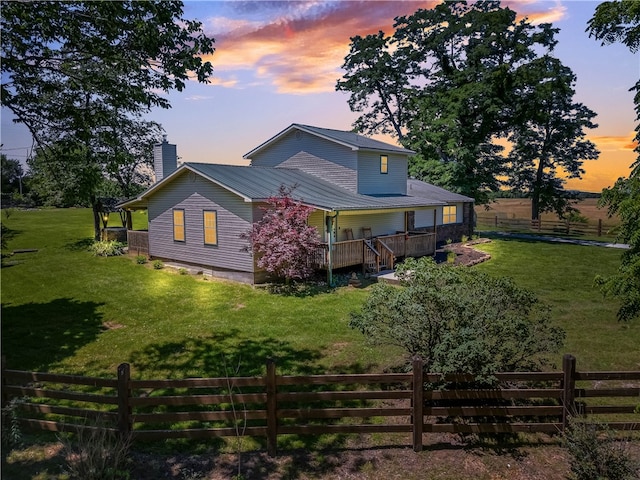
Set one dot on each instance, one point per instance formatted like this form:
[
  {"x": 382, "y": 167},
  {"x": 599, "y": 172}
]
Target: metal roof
[
  {"x": 256, "y": 184},
  {"x": 418, "y": 188},
  {"x": 346, "y": 138}
]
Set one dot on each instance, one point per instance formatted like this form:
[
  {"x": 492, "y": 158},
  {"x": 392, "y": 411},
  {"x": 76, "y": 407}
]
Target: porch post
[{"x": 330, "y": 252}]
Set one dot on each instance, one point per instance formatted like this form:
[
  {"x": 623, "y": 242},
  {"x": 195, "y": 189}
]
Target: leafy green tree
[
  {"x": 443, "y": 83},
  {"x": 12, "y": 174},
  {"x": 459, "y": 320},
  {"x": 72, "y": 70},
  {"x": 548, "y": 136},
  {"x": 620, "y": 22}
]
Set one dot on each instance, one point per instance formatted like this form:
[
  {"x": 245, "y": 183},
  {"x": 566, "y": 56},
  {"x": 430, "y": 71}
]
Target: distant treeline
[{"x": 577, "y": 194}]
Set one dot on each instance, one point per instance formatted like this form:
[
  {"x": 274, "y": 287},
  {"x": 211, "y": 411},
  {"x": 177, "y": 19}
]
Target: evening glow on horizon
[{"x": 277, "y": 63}]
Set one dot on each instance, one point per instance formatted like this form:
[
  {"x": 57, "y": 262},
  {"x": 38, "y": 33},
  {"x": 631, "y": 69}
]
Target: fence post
[
  {"x": 568, "y": 388},
  {"x": 599, "y": 227},
  {"x": 5, "y": 396},
  {"x": 418, "y": 403},
  {"x": 272, "y": 408},
  {"x": 495, "y": 219},
  {"x": 124, "y": 394}
]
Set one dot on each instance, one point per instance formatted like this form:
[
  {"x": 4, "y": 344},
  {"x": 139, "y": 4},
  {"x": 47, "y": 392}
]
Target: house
[{"x": 367, "y": 211}]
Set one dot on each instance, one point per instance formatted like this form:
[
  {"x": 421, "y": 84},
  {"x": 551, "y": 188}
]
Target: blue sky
[{"x": 277, "y": 62}]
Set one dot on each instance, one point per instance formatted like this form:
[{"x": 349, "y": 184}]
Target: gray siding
[
  {"x": 195, "y": 194},
  {"x": 296, "y": 142},
  {"x": 424, "y": 218},
  {"x": 385, "y": 223},
  {"x": 372, "y": 182}
]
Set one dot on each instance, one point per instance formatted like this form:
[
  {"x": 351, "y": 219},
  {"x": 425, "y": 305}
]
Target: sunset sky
[{"x": 277, "y": 63}]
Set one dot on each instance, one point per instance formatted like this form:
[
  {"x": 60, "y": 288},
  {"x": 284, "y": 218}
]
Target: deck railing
[{"x": 390, "y": 247}]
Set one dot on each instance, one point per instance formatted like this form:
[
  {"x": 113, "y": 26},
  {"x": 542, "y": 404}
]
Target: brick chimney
[{"x": 165, "y": 159}]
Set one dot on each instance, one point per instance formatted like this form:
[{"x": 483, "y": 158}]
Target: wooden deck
[{"x": 377, "y": 253}]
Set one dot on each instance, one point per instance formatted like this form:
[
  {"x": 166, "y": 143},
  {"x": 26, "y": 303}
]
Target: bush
[
  {"x": 97, "y": 454},
  {"x": 183, "y": 271},
  {"x": 460, "y": 320},
  {"x": 158, "y": 265},
  {"x": 11, "y": 431},
  {"x": 107, "y": 248},
  {"x": 597, "y": 455}
]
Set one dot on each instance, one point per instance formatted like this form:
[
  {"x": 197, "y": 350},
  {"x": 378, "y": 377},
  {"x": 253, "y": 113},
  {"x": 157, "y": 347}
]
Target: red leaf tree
[{"x": 282, "y": 241}]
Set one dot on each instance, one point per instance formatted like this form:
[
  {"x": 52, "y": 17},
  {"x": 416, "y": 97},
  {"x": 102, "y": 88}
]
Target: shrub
[
  {"x": 597, "y": 454},
  {"x": 460, "y": 320},
  {"x": 448, "y": 241},
  {"x": 183, "y": 271},
  {"x": 464, "y": 239},
  {"x": 97, "y": 454},
  {"x": 281, "y": 240},
  {"x": 141, "y": 259},
  {"x": 107, "y": 248},
  {"x": 11, "y": 431},
  {"x": 451, "y": 257},
  {"x": 158, "y": 265}
]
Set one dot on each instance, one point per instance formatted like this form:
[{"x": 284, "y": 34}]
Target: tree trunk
[{"x": 97, "y": 226}]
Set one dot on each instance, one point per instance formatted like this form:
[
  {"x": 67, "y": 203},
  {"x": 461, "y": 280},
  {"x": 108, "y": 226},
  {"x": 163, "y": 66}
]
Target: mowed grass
[{"x": 64, "y": 310}]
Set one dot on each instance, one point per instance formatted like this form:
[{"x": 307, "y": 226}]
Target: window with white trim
[{"x": 449, "y": 214}]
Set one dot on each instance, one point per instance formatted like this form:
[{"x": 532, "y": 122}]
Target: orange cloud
[
  {"x": 302, "y": 52},
  {"x": 615, "y": 142},
  {"x": 538, "y": 12}
]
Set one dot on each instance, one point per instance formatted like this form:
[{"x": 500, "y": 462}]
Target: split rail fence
[
  {"x": 273, "y": 405},
  {"x": 598, "y": 228}
]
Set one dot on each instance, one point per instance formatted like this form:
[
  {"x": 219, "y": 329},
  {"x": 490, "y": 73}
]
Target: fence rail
[
  {"x": 273, "y": 405},
  {"x": 597, "y": 228}
]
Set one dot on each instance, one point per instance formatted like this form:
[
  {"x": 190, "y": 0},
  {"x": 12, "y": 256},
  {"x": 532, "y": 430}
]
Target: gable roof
[
  {"x": 345, "y": 138},
  {"x": 256, "y": 184}
]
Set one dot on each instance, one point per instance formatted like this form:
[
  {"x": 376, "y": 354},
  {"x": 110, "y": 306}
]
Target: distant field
[
  {"x": 514, "y": 214},
  {"x": 521, "y": 208}
]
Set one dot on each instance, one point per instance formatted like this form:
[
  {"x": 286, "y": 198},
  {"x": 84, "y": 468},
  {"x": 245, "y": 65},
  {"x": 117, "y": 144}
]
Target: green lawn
[{"x": 64, "y": 310}]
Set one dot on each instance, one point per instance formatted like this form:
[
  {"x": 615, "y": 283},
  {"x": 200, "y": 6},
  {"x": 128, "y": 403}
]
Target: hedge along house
[{"x": 367, "y": 212}]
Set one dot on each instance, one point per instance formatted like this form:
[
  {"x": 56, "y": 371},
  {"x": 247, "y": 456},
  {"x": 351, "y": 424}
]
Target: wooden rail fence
[
  {"x": 547, "y": 226},
  {"x": 272, "y": 405}
]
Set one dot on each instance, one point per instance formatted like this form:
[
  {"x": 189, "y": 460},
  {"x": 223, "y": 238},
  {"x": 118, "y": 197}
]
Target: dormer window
[{"x": 384, "y": 164}]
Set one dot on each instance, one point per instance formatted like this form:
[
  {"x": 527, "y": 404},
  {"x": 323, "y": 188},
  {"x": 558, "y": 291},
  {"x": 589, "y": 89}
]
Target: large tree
[
  {"x": 548, "y": 135},
  {"x": 73, "y": 70},
  {"x": 620, "y": 22},
  {"x": 443, "y": 84},
  {"x": 12, "y": 174}
]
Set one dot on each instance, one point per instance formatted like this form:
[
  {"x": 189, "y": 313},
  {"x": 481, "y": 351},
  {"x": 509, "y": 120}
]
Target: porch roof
[{"x": 257, "y": 184}]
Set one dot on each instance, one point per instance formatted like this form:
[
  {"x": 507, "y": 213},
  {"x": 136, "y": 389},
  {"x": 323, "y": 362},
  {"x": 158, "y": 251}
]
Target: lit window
[
  {"x": 384, "y": 164},
  {"x": 178, "y": 225},
  {"x": 210, "y": 228},
  {"x": 449, "y": 214}
]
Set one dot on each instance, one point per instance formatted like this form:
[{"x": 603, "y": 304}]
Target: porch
[{"x": 376, "y": 254}]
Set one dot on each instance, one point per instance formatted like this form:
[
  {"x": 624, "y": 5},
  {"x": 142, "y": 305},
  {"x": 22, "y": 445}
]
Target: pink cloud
[
  {"x": 301, "y": 53},
  {"x": 301, "y": 50}
]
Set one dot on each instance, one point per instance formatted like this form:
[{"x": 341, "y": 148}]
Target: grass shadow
[
  {"x": 36, "y": 336},
  {"x": 232, "y": 354},
  {"x": 80, "y": 245}
]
